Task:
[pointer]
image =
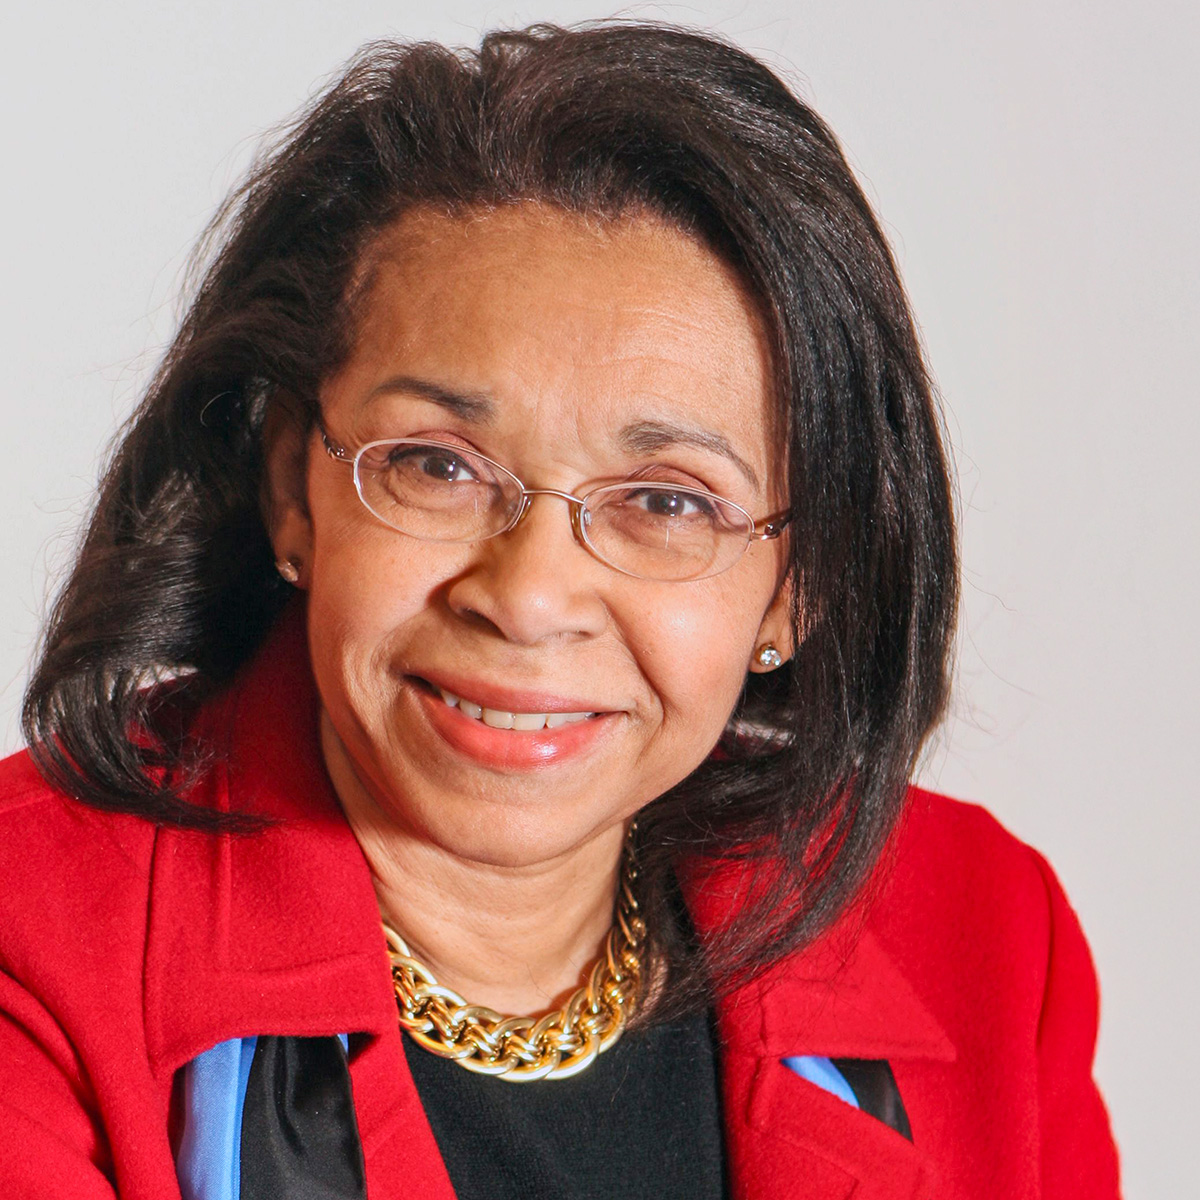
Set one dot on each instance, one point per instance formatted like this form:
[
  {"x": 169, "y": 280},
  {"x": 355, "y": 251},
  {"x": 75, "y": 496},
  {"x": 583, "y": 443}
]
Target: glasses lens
[
  {"x": 661, "y": 531},
  {"x": 434, "y": 490}
]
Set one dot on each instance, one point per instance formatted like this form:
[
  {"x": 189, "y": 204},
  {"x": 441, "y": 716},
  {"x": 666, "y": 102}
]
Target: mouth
[
  {"x": 487, "y": 710},
  {"x": 531, "y": 731},
  {"x": 498, "y": 718}
]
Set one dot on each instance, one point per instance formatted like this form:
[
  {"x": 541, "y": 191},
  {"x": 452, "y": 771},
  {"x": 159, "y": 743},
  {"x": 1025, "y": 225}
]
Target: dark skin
[{"x": 580, "y": 352}]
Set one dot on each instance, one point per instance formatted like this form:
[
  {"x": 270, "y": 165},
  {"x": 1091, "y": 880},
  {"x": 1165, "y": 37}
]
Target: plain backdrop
[{"x": 1035, "y": 165}]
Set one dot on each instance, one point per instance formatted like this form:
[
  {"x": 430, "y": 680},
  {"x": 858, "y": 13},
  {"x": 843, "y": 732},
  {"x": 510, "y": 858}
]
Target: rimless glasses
[{"x": 649, "y": 529}]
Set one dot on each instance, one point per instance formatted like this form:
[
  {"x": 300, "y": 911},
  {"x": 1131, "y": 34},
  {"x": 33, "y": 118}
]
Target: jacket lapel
[
  {"x": 266, "y": 934},
  {"x": 278, "y": 932},
  {"x": 788, "y": 1139}
]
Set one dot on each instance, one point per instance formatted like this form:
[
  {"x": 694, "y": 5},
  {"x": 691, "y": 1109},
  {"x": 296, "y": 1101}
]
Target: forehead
[{"x": 565, "y": 324}]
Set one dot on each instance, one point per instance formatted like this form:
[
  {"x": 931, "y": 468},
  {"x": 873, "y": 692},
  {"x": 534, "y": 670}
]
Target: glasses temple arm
[
  {"x": 336, "y": 452},
  {"x": 772, "y": 528}
]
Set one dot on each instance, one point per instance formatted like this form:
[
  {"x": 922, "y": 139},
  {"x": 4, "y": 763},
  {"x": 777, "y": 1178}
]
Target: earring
[
  {"x": 768, "y": 657},
  {"x": 288, "y": 568}
]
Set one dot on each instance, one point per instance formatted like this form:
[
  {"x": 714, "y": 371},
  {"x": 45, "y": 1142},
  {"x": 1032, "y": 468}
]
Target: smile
[
  {"x": 500, "y": 719},
  {"x": 517, "y": 736}
]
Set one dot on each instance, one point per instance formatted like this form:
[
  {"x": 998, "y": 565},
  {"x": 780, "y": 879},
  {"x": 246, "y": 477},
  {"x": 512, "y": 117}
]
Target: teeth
[
  {"x": 554, "y": 720},
  {"x": 499, "y": 719},
  {"x": 527, "y": 721}
]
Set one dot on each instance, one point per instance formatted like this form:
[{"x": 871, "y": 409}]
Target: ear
[
  {"x": 778, "y": 626},
  {"x": 284, "y": 496}
]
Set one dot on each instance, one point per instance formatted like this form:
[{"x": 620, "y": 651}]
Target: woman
[{"x": 524, "y": 590}]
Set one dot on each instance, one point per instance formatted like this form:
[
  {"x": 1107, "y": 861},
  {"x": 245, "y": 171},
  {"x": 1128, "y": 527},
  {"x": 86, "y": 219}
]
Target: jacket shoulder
[
  {"x": 932, "y": 817},
  {"x": 21, "y": 784},
  {"x": 35, "y": 816},
  {"x": 961, "y": 850},
  {"x": 963, "y": 899},
  {"x": 76, "y": 880}
]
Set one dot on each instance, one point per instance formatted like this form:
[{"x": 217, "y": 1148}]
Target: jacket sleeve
[
  {"x": 1078, "y": 1155},
  {"x": 51, "y": 1147}
]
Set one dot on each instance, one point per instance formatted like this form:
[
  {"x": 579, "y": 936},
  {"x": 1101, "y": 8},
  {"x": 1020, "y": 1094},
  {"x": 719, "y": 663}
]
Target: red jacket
[{"x": 127, "y": 950}]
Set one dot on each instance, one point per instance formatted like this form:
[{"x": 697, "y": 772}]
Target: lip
[
  {"x": 505, "y": 749},
  {"x": 509, "y": 699}
]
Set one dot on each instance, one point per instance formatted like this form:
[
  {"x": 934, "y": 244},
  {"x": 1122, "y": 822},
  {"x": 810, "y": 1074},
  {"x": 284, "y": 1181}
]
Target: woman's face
[{"x": 575, "y": 352}]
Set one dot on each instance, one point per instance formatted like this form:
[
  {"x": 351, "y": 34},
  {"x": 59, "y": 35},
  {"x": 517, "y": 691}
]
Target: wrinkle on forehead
[
  {"x": 424, "y": 226},
  {"x": 468, "y": 242}
]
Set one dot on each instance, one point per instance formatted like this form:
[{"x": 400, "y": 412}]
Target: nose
[{"x": 536, "y": 582}]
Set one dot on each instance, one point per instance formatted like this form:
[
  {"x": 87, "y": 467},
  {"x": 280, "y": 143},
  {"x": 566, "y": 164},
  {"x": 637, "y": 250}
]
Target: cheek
[
  {"x": 697, "y": 655},
  {"x": 368, "y": 593},
  {"x": 355, "y": 597}
]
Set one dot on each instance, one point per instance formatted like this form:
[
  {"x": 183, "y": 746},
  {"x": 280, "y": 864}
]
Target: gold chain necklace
[{"x": 520, "y": 1049}]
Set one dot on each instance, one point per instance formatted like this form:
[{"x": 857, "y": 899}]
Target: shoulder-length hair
[{"x": 175, "y": 577}]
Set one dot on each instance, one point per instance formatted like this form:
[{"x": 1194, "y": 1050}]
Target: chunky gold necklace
[{"x": 520, "y": 1049}]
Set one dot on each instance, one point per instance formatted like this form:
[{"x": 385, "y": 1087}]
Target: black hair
[{"x": 175, "y": 577}]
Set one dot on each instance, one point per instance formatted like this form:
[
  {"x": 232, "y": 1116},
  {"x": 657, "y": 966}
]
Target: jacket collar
[
  {"x": 844, "y": 997},
  {"x": 263, "y": 933},
  {"x": 278, "y": 932}
]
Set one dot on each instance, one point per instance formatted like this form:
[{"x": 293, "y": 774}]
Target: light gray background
[{"x": 1035, "y": 166}]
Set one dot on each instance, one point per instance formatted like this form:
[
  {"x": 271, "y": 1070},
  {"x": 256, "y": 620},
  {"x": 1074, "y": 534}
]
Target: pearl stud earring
[
  {"x": 768, "y": 657},
  {"x": 288, "y": 568}
]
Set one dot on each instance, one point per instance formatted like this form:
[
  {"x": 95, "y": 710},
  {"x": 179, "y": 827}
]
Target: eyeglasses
[{"x": 439, "y": 492}]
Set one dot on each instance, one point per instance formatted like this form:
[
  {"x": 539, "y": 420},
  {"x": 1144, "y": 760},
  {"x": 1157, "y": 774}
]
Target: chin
[{"x": 517, "y": 840}]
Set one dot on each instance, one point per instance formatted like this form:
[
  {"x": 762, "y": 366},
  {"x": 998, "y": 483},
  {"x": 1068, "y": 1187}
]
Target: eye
[
  {"x": 435, "y": 463},
  {"x": 447, "y": 467},
  {"x": 670, "y": 504}
]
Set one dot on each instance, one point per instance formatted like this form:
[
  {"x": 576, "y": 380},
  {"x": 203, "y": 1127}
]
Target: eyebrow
[
  {"x": 645, "y": 437},
  {"x": 470, "y": 406},
  {"x": 639, "y": 437}
]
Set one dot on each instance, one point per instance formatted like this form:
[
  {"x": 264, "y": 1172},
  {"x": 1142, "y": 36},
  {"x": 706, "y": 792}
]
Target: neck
[{"x": 517, "y": 939}]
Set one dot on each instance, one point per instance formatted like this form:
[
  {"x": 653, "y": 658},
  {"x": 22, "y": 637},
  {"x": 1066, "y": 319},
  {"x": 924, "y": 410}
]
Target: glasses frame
[{"x": 766, "y": 530}]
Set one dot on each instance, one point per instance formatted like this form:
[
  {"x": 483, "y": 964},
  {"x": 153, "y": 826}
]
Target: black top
[{"x": 643, "y": 1120}]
